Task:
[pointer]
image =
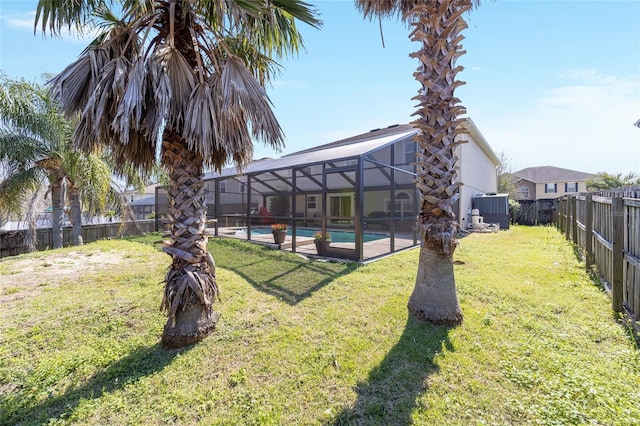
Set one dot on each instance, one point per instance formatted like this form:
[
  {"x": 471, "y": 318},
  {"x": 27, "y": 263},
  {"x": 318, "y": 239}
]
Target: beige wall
[{"x": 541, "y": 194}]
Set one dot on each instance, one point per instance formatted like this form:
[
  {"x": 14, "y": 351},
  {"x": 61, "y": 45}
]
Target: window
[
  {"x": 340, "y": 206},
  {"x": 402, "y": 205},
  {"x": 410, "y": 152},
  {"x": 223, "y": 186},
  {"x": 571, "y": 187},
  {"x": 523, "y": 193},
  {"x": 311, "y": 202},
  {"x": 550, "y": 188},
  {"x": 353, "y": 162}
]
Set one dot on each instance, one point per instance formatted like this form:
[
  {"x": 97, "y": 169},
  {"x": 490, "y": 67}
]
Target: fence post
[
  {"x": 617, "y": 213},
  {"x": 567, "y": 222},
  {"x": 574, "y": 217},
  {"x": 588, "y": 232}
]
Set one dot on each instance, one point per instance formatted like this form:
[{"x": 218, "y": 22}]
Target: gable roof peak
[{"x": 539, "y": 174}]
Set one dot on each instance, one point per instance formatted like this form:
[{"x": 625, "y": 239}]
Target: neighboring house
[
  {"x": 361, "y": 184},
  {"x": 144, "y": 207},
  {"x": 132, "y": 195},
  {"x": 548, "y": 182}
]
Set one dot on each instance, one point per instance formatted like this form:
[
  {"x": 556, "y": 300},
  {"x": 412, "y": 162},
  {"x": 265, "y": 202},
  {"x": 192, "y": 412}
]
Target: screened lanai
[{"x": 360, "y": 190}]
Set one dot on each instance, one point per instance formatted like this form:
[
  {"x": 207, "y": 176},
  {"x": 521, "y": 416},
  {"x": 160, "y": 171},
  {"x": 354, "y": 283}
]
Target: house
[
  {"x": 477, "y": 170},
  {"x": 143, "y": 208},
  {"x": 548, "y": 182},
  {"x": 539, "y": 187},
  {"x": 360, "y": 188},
  {"x": 132, "y": 195}
]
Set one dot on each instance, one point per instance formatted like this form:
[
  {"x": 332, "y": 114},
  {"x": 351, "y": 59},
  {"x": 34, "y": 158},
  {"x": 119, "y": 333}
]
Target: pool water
[{"x": 336, "y": 236}]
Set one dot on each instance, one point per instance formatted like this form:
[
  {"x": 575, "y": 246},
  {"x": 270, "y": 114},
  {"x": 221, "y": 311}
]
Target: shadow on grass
[
  {"x": 389, "y": 394},
  {"x": 141, "y": 363},
  {"x": 284, "y": 275}
]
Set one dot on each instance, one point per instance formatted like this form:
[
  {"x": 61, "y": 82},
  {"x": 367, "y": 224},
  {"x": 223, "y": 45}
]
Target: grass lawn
[{"x": 309, "y": 343}]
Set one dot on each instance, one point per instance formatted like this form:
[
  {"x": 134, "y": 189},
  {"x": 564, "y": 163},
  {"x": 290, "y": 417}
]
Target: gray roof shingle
[{"x": 551, "y": 174}]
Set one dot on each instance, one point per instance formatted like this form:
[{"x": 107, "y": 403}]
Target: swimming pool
[{"x": 336, "y": 236}]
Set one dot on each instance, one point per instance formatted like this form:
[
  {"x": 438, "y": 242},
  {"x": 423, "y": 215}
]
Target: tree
[
  {"x": 32, "y": 144},
  {"x": 35, "y": 146},
  {"x": 190, "y": 74},
  {"x": 604, "y": 180},
  {"x": 506, "y": 183},
  {"x": 437, "y": 26}
]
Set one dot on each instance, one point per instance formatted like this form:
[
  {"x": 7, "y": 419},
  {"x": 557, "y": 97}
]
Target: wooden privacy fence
[
  {"x": 607, "y": 229},
  {"x": 12, "y": 242}
]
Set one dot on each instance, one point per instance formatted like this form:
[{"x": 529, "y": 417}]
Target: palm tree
[
  {"x": 88, "y": 182},
  {"x": 437, "y": 26},
  {"x": 35, "y": 146},
  {"x": 603, "y": 180},
  {"x": 32, "y": 146},
  {"x": 191, "y": 74}
]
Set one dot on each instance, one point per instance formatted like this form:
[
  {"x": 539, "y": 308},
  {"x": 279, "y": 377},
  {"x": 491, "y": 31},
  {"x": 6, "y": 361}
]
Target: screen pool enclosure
[{"x": 359, "y": 190}]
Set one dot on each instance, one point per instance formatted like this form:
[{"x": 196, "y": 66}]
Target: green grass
[{"x": 309, "y": 343}]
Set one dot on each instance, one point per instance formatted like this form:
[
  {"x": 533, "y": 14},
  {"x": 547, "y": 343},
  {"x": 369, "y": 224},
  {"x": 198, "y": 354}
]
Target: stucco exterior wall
[{"x": 478, "y": 175}]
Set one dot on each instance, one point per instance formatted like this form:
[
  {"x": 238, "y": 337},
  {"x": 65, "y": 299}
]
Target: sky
[{"x": 548, "y": 83}]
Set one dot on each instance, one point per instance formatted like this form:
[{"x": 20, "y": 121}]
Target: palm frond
[
  {"x": 21, "y": 148},
  {"x": 16, "y": 189},
  {"x": 181, "y": 79},
  {"x": 201, "y": 125},
  {"x": 54, "y": 15},
  {"x": 245, "y": 104}
]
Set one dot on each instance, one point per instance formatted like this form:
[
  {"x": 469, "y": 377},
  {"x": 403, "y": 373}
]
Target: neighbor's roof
[
  {"x": 551, "y": 174},
  {"x": 146, "y": 201}
]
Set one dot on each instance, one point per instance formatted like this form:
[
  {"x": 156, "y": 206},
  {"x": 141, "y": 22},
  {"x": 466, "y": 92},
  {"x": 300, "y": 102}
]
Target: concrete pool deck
[{"x": 306, "y": 246}]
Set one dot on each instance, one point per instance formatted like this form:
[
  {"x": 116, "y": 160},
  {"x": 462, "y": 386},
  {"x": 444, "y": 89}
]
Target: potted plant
[
  {"x": 321, "y": 241},
  {"x": 279, "y": 231}
]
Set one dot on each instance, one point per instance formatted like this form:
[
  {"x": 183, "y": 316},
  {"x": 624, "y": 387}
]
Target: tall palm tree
[
  {"x": 437, "y": 26},
  {"x": 182, "y": 81},
  {"x": 32, "y": 145},
  {"x": 36, "y": 149},
  {"x": 88, "y": 182}
]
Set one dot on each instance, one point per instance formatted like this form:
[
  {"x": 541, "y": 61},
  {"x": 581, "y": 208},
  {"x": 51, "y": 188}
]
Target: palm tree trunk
[
  {"x": 57, "y": 213},
  {"x": 76, "y": 214},
  {"x": 434, "y": 298},
  {"x": 190, "y": 284},
  {"x": 437, "y": 26},
  {"x": 34, "y": 208}
]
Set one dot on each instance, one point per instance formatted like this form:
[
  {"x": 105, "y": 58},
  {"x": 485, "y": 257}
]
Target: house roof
[
  {"x": 350, "y": 147},
  {"x": 481, "y": 141},
  {"x": 146, "y": 201},
  {"x": 551, "y": 174},
  {"x": 343, "y": 149},
  {"x": 371, "y": 134}
]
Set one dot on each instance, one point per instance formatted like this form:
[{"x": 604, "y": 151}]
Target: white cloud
[
  {"x": 584, "y": 123},
  {"x": 22, "y": 21},
  {"x": 26, "y": 21}
]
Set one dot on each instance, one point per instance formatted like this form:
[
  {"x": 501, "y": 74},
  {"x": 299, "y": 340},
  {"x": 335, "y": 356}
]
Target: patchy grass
[{"x": 302, "y": 342}]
